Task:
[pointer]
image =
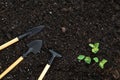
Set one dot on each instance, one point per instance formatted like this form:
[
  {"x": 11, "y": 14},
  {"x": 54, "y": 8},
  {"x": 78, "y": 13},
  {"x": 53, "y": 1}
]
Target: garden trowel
[
  {"x": 29, "y": 33},
  {"x": 34, "y": 47}
]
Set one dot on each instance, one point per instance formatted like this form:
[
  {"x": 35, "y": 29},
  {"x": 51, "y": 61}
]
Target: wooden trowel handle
[
  {"x": 9, "y": 43},
  {"x": 11, "y": 67},
  {"x": 44, "y": 72}
]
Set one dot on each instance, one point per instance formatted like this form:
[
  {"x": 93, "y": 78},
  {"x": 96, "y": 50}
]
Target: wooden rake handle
[
  {"x": 11, "y": 67},
  {"x": 9, "y": 43},
  {"x": 44, "y": 72}
]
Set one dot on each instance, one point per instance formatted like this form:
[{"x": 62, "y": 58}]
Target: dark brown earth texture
[{"x": 70, "y": 25}]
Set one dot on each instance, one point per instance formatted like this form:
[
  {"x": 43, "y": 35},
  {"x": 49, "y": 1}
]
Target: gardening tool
[
  {"x": 29, "y": 33},
  {"x": 34, "y": 47},
  {"x": 54, "y": 54}
]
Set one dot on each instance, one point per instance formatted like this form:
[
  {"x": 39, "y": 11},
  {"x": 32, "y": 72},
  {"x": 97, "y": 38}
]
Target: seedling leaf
[
  {"x": 96, "y": 59},
  {"x": 81, "y": 57},
  {"x": 91, "y": 45},
  {"x": 96, "y": 45},
  {"x": 87, "y": 60},
  {"x": 102, "y": 63}
]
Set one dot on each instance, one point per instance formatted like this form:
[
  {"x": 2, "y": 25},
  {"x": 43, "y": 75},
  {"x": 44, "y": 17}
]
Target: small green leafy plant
[
  {"x": 95, "y": 47},
  {"x": 80, "y": 57},
  {"x": 88, "y": 59},
  {"x": 102, "y": 63},
  {"x": 96, "y": 59}
]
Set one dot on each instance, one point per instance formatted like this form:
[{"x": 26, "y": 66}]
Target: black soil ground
[{"x": 70, "y": 26}]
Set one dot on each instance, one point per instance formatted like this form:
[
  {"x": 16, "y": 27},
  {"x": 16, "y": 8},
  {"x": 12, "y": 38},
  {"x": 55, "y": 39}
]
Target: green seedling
[
  {"x": 87, "y": 60},
  {"x": 102, "y": 63},
  {"x": 96, "y": 59},
  {"x": 95, "y": 47},
  {"x": 80, "y": 57}
]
